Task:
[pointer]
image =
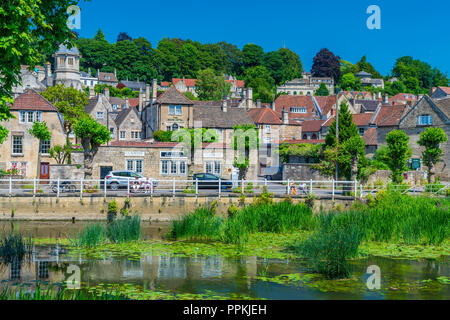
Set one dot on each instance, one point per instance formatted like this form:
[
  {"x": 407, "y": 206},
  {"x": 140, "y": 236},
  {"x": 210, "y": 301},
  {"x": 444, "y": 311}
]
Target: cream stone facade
[{"x": 20, "y": 149}]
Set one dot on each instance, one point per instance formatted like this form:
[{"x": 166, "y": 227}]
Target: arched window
[{"x": 174, "y": 127}]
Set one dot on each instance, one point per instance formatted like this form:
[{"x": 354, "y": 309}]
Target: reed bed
[{"x": 91, "y": 236}]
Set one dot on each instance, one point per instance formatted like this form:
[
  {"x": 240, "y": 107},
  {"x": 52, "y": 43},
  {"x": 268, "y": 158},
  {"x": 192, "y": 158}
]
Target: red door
[{"x": 45, "y": 172}]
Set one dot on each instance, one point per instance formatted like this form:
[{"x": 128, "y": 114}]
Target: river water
[{"x": 217, "y": 276}]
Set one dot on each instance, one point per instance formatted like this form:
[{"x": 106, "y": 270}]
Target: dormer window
[
  {"x": 425, "y": 120},
  {"x": 298, "y": 110}
]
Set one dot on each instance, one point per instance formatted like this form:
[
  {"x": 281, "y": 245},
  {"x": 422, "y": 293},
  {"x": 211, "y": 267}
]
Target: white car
[{"x": 120, "y": 179}]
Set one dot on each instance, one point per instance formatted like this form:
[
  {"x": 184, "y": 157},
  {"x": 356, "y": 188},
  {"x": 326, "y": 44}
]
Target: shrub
[
  {"x": 201, "y": 224},
  {"x": 112, "y": 210},
  {"x": 264, "y": 198}
]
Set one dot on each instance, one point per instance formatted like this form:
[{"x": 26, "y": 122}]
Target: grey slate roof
[
  {"x": 102, "y": 77},
  {"x": 444, "y": 106},
  {"x": 368, "y": 105},
  {"x": 92, "y": 103},
  {"x": 214, "y": 117},
  {"x": 218, "y": 103},
  {"x": 63, "y": 49},
  {"x": 134, "y": 85},
  {"x": 124, "y": 114},
  {"x": 363, "y": 73},
  {"x": 173, "y": 96}
]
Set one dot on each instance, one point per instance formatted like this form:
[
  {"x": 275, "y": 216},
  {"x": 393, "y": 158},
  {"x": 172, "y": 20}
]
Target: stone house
[
  {"x": 185, "y": 85},
  {"x": 107, "y": 78},
  {"x": 367, "y": 80},
  {"x": 424, "y": 114},
  {"x": 165, "y": 160},
  {"x": 128, "y": 125},
  {"x": 20, "y": 149},
  {"x": 307, "y": 85}
]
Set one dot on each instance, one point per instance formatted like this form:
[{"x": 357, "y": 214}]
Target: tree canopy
[{"x": 326, "y": 64}]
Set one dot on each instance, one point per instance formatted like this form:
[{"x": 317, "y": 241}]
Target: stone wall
[
  {"x": 149, "y": 208},
  {"x": 66, "y": 171},
  {"x": 301, "y": 171},
  {"x": 414, "y": 178}
]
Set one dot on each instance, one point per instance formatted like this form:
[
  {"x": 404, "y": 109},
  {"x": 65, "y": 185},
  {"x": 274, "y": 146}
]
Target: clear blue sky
[{"x": 420, "y": 29}]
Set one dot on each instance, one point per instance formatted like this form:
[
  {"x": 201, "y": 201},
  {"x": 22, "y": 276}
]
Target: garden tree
[
  {"x": 115, "y": 91},
  {"x": 262, "y": 89},
  {"x": 348, "y": 67},
  {"x": 40, "y": 131},
  {"x": 258, "y": 72},
  {"x": 61, "y": 154},
  {"x": 92, "y": 135},
  {"x": 189, "y": 60},
  {"x": 166, "y": 59},
  {"x": 252, "y": 55},
  {"x": 273, "y": 62},
  {"x": 326, "y": 64},
  {"x": 211, "y": 87},
  {"x": 418, "y": 76},
  {"x": 431, "y": 139},
  {"x": 292, "y": 66},
  {"x": 99, "y": 36},
  {"x": 349, "y": 82},
  {"x": 123, "y": 36},
  {"x": 245, "y": 139},
  {"x": 363, "y": 65},
  {"x": 96, "y": 53},
  {"x": 322, "y": 91},
  {"x": 380, "y": 159},
  {"x": 69, "y": 102},
  {"x": 28, "y": 29},
  {"x": 192, "y": 139},
  {"x": 398, "y": 153},
  {"x": 348, "y": 153}
]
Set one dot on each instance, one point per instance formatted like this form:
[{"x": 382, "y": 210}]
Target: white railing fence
[{"x": 174, "y": 187}]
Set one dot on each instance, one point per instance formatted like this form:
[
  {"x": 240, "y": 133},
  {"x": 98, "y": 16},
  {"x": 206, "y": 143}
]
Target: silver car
[{"x": 120, "y": 179}]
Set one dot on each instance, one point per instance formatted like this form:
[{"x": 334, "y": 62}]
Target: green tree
[
  {"x": 252, "y": 55},
  {"x": 92, "y": 135},
  {"x": 322, "y": 91},
  {"x": 211, "y": 87},
  {"x": 189, "y": 60},
  {"x": 28, "y": 29},
  {"x": 431, "y": 139},
  {"x": 348, "y": 153},
  {"x": 326, "y": 64},
  {"x": 363, "y": 65},
  {"x": 292, "y": 66},
  {"x": 245, "y": 139},
  {"x": 40, "y": 131},
  {"x": 69, "y": 102},
  {"x": 398, "y": 153},
  {"x": 349, "y": 82}
]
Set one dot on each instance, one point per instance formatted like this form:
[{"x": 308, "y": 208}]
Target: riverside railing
[{"x": 10, "y": 187}]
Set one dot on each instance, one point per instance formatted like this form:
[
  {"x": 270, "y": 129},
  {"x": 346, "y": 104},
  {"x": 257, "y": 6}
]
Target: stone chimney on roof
[
  {"x": 379, "y": 95},
  {"x": 258, "y": 103},
  {"x": 386, "y": 99},
  {"x": 115, "y": 72},
  {"x": 141, "y": 99},
  {"x": 89, "y": 71},
  {"x": 106, "y": 92},
  {"x": 272, "y": 105},
  {"x": 127, "y": 102},
  {"x": 91, "y": 92},
  {"x": 224, "y": 105},
  {"x": 147, "y": 92},
  {"x": 249, "y": 98},
  {"x": 154, "y": 90},
  {"x": 285, "y": 116}
]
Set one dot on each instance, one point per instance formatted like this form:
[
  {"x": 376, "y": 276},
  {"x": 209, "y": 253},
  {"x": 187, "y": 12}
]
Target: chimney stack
[
  {"x": 285, "y": 117},
  {"x": 147, "y": 92},
  {"x": 106, "y": 93},
  {"x": 115, "y": 72},
  {"x": 249, "y": 98},
  {"x": 224, "y": 105},
  {"x": 48, "y": 70},
  {"x": 89, "y": 71},
  {"x": 141, "y": 99},
  {"x": 386, "y": 99},
  {"x": 379, "y": 95},
  {"x": 91, "y": 92},
  {"x": 127, "y": 102},
  {"x": 154, "y": 90},
  {"x": 258, "y": 103},
  {"x": 272, "y": 105}
]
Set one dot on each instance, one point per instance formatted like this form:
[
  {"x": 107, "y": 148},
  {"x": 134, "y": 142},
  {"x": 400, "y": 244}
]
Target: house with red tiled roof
[
  {"x": 20, "y": 149},
  {"x": 440, "y": 93},
  {"x": 403, "y": 98}
]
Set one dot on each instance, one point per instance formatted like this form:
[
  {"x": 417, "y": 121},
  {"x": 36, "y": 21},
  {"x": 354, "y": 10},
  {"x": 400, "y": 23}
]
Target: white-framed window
[
  {"x": 173, "y": 167},
  {"x": 136, "y": 165},
  {"x": 214, "y": 167},
  {"x": 136, "y": 134},
  {"x": 267, "y": 127},
  {"x": 425, "y": 120},
  {"x": 361, "y": 131},
  {"x": 114, "y": 106},
  {"x": 20, "y": 166},
  {"x": 99, "y": 115},
  {"x": 298, "y": 109},
  {"x": 30, "y": 116},
  {"x": 175, "y": 110},
  {"x": 112, "y": 132},
  {"x": 45, "y": 146},
  {"x": 122, "y": 135},
  {"x": 17, "y": 144}
]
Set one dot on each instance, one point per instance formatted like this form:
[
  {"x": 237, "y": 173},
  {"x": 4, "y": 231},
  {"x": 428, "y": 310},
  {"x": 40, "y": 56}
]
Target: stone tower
[{"x": 67, "y": 67}]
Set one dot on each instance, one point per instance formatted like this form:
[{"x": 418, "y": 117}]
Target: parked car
[
  {"x": 120, "y": 179},
  {"x": 211, "y": 181}
]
